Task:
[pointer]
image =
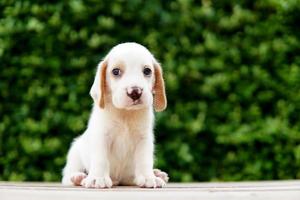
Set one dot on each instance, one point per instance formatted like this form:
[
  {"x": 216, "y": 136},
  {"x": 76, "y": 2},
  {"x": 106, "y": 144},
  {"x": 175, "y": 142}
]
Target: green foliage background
[{"x": 232, "y": 71}]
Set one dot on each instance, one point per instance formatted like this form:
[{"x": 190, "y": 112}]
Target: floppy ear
[
  {"x": 160, "y": 100},
  {"x": 97, "y": 91}
]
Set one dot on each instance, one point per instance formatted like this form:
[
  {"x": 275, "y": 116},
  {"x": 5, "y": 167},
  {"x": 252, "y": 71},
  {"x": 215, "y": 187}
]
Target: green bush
[{"x": 232, "y": 71}]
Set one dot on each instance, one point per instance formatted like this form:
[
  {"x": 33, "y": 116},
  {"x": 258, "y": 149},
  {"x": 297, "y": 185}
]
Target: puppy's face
[{"x": 128, "y": 77}]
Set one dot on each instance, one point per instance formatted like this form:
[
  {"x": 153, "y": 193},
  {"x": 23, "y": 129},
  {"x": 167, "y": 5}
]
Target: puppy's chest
[{"x": 122, "y": 143}]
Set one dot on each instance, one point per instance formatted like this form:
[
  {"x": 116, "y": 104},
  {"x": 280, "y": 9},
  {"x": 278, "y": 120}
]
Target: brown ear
[
  {"x": 99, "y": 86},
  {"x": 102, "y": 83},
  {"x": 160, "y": 100}
]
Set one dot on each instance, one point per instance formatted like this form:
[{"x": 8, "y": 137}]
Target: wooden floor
[{"x": 266, "y": 190}]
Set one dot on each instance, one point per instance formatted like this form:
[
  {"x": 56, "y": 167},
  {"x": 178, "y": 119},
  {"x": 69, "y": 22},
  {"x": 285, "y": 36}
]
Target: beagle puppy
[{"x": 117, "y": 148}]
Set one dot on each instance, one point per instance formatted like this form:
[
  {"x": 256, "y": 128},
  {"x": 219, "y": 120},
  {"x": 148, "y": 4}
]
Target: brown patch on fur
[
  {"x": 119, "y": 64},
  {"x": 102, "y": 83},
  {"x": 160, "y": 100}
]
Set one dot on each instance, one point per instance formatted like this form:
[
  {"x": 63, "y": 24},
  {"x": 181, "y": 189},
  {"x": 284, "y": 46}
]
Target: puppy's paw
[
  {"x": 161, "y": 174},
  {"x": 97, "y": 182},
  {"x": 77, "y": 177},
  {"x": 149, "y": 182}
]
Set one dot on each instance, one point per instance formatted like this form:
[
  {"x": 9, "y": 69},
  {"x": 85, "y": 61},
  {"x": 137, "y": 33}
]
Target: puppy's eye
[
  {"x": 116, "y": 72},
  {"x": 147, "y": 71}
]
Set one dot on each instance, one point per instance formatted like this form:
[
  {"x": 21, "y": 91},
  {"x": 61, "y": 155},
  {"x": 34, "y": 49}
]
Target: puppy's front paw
[
  {"x": 97, "y": 182},
  {"x": 149, "y": 182}
]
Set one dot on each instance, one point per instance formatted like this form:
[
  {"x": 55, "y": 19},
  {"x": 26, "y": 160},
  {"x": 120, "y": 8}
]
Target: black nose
[{"x": 134, "y": 93}]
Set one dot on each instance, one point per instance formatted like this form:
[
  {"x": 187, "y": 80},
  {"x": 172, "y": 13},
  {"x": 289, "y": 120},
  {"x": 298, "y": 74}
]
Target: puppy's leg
[
  {"x": 73, "y": 171},
  {"x": 144, "y": 175},
  {"x": 98, "y": 176}
]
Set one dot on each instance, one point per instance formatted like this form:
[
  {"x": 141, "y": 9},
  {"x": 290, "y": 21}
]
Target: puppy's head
[{"x": 130, "y": 78}]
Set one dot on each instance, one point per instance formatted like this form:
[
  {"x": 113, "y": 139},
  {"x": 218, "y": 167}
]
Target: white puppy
[{"x": 117, "y": 147}]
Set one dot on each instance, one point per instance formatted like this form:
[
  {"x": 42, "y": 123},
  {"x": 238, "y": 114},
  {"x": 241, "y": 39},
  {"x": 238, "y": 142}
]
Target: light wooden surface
[{"x": 264, "y": 190}]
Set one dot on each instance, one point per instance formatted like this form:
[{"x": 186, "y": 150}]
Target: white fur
[{"x": 117, "y": 146}]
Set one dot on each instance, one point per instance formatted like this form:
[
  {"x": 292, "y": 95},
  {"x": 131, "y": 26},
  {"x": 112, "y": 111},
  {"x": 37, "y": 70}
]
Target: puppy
[{"x": 117, "y": 147}]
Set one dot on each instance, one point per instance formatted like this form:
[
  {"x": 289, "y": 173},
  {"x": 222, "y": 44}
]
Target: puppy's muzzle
[{"x": 134, "y": 93}]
